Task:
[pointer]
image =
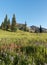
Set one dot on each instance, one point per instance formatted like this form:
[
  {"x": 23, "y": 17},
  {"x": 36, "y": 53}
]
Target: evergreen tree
[
  {"x": 40, "y": 29},
  {"x": 2, "y": 25},
  {"x": 8, "y": 24},
  {"x": 13, "y": 25},
  {"x": 25, "y": 28},
  {"x": 5, "y": 22}
]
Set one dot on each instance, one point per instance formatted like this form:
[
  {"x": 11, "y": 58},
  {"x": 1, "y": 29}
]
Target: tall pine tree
[
  {"x": 40, "y": 29},
  {"x": 6, "y": 23},
  {"x": 13, "y": 25},
  {"x": 25, "y": 28},
  {"x": 2, "y": 25}
]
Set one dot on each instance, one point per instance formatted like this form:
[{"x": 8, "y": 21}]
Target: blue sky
[{"x": 34, "y": 12}]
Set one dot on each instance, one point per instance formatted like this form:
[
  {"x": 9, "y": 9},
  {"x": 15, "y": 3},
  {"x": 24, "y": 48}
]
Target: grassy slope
[
  {"x": 22, "y": 37},
  {"x": 25, "y": 40}
]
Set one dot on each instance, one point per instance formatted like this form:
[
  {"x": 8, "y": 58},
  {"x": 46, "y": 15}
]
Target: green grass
[
  {"x": 21, "y": 37},
  {"x": 6, "y": 34},
  {"x": 32, "y": 48}
]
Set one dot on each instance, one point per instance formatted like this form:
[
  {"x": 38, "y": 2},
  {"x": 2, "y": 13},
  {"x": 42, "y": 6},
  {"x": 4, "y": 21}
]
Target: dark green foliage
[
  {"x": 13, "y": 25},
  {"x": 30, "y": 50},
  {"x": 39, "y": 60},
  {"x": 15, "y": 62},
  {"x": 21, "y": 28},
  {"x": 5, "y": 57},
  {"x": 40, "y": 29},
  {"x": 7, "y": 60},
  {"x": 6, "y": 23},
  {"x": 23, "y": 61},
  {"x": 2, "y": 25},
  {"x": 28, "y": 55},
  {"x": 25, "y": 28}
]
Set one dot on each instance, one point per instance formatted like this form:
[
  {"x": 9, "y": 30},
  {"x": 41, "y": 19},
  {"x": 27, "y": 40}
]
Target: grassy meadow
[
  {"x": 23, "y": 37},
  {"x": 23, "y": 48}
]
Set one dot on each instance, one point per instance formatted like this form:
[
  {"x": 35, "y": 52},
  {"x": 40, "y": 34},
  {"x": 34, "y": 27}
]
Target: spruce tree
[
  {"x": 2, "y": 25},
  {"x": 40, "y": 29},
  {"x": 5, "y": 22},
  {"x": 13, "y": 25},
  {"x": 8, "y": 24},
  {"x": 25, "y": 28}
]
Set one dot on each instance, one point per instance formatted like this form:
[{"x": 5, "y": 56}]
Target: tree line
[
  {"x": 6, "y": 25},
  {"x": 12, "y": 26}
]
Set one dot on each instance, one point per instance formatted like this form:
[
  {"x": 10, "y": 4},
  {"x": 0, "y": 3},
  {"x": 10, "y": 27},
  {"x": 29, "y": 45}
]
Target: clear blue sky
[{"x": 34, "y": 12}]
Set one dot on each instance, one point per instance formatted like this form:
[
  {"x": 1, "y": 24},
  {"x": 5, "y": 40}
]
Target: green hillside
[
  {"x": 26, "y": 36},
  {"x": 23, "y": 48}
]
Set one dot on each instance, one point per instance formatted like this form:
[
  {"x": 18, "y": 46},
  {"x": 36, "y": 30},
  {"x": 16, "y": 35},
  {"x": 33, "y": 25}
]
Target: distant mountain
[
  {"x": 31, "y": 28},
  {"x": 36, "y": 29}
]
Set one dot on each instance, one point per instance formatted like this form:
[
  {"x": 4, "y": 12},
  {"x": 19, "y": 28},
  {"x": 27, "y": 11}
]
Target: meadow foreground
[{"x": 23, "y": 48}]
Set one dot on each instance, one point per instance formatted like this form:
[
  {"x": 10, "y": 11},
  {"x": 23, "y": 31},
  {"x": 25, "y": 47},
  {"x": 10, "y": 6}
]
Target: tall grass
[{"x": 23, "y": 48}]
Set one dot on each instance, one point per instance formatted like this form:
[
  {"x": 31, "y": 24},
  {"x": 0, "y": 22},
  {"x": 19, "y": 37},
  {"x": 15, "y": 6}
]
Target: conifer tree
[
  {"x": 13, "y": 25},
  {"x": 5, "y": 21},
  {"x": 2, "y": 25},
  {"x": 25, "y": 28},
  {"x": 40, "y": 29},
  {"x": 8, "y": 24}
]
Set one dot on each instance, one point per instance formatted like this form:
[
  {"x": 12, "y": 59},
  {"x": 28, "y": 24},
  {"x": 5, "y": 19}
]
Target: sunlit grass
[{"x": 22, "y": 37}]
